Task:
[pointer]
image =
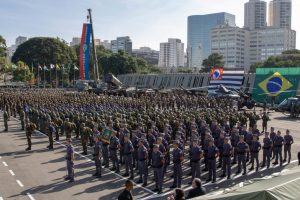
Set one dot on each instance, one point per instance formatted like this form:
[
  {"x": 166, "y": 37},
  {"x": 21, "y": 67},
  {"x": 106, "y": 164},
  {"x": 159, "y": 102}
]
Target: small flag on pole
[
  {"x": 75, "y": 67},
  {"x": 40, "y": 67},
  {"x": 52, "y": 66},
  {"x": 14, "y": 67},
  {"x": 57, "y": 67},
  {"x": 45, "y": 68}
]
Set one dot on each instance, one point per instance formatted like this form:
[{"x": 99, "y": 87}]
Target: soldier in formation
[{"x": 154, "y": 130}]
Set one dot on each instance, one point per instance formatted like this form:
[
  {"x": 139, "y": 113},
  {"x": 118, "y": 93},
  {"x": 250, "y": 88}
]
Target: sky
[{"x": 147, "y": 22}]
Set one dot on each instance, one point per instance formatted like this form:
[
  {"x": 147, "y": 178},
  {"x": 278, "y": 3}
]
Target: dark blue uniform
[
  {"x": 254, "y": 149},
  {"x": 177, "y": 156},
  {"x": 113, "y": 148},
  {"x": 278, "y": 142},
  {"x": 128, "y": 158},
  {"x": 98, "y": 155},
  {"x": 211, "y": 162},
  {"x": 142, "y": 164},
  {"x": 157, "y": 164},
  {"x": 242, "y": 148},
  {"x": 227, "y": 149},
  {"x": 135, "y": 143},
  {"x": 288, "y": 141},
  {"x": 267, "y": 151},
  {"x": 195, "y": 154}
]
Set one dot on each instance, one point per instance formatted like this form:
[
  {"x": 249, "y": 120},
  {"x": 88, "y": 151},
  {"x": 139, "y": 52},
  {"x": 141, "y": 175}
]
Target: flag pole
[
  {"x": 39, "y": 76},
  {"x": 74, "y": 77},
  {"x": 44, "y": 78},
  {"x": 56, "y": 76},
  {"x": 62, "y": 76},
  {"x": 50, "y": 76}
]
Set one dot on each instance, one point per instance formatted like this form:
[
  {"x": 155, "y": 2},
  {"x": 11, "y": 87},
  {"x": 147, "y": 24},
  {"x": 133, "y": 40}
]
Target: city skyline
[{"x": 148, "y": 23}]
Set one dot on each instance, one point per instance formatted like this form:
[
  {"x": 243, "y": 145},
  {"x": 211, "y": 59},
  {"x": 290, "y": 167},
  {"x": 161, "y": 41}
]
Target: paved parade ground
[{"x": 39, "y": 173}]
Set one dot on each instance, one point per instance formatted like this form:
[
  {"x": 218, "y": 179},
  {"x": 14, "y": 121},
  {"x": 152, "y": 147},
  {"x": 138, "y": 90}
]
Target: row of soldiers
[{"x": 143, "y": 135}]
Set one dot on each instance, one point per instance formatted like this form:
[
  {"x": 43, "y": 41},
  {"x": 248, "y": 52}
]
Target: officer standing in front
[
  {"x": 70, "y": 160},
  {"x": 267, "y": 147},
  {"x": 288, "y": 141},
  {"x": 98, "y": 156},
  {"x": 278, "y": 142},
  {"x": 5, "y": 117},
  {"x": 142, "y": 163},
  {"x": 157, "y": 164},
  {"x": 254, "y": 149},
  {"x": 113, "y": 147},
  {"x": 177, "y": 159},
  {"x": 128, "y": 157},
  {"x": 212, "y": 154},
  {"x": 227, "y": 152},
  {"x": 195, "y": 154},
  {"x": 242, "y": 148}
]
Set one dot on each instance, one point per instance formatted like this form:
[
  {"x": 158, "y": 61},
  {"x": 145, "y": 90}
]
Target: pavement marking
[
  {"x": 20, "y": 184},
  {"x": 283, "y": 184},
  {"x": 11, "y": 172},
  {"x": 30, "y": 196},
  {"x": 5, "y": 164},
  {"x": 1, "y": 198}
]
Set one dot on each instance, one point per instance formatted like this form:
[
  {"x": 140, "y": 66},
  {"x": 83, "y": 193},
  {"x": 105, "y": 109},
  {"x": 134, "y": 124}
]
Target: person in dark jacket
[
  {"x": 177, "y": 195},
  {"x": 126, "y": 194},
  {"x": 197, "y": 190}
]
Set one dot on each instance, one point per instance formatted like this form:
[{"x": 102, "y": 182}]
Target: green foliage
[
  {"x": 214, "y": 60},
  {"x": 44, "y": 51},
  {"x": 290, "y": 58},
  {"x": 117, "y": 63},
  {"x": 22, "y": 73},
  {"x": 3, "y": 59}
]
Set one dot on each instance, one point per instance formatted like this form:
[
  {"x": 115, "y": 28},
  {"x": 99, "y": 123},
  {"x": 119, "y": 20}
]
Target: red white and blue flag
[
  {"x": 85, "y": 51},
  {"x": 231, "y": 79},
  {"x": 216, "y": 74}
]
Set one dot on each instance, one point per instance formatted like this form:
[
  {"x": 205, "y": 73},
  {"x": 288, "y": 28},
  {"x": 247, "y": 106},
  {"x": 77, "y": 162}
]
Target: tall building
[
  {"x": 123, "y": 44},
  {"x": 148, "y": 54},
  {"x": 255, "y": 12},
  {"x": 270, "y": 42},
  {"x": 20, "y": 40},
  {"x": 171, "y": 53},
  {"x": 106, "y": 44},
  {"x": 77, "y": 40},
  {"x": 12, "y": 49},
  {"x": 199, "y": 41},
  {"x": 233, "y": 44},
  {"x": 280, "y": 14}
]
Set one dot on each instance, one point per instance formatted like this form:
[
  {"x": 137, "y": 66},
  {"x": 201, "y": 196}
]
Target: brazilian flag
[
  {"x": 106, "y": 135},
  {"x": 276, "y": 83}
]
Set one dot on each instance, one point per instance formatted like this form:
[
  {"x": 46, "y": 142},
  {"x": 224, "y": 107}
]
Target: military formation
[{"x": 150, "y": 132}]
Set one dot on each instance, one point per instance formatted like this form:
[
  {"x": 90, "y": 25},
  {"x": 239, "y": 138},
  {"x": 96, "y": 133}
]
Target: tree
[
  {"x": 214, "y": 60},
  {"x": 289, "y": 58},
  {"x": 3, "y": 60},
  {"x": 44, "y": 51}
]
